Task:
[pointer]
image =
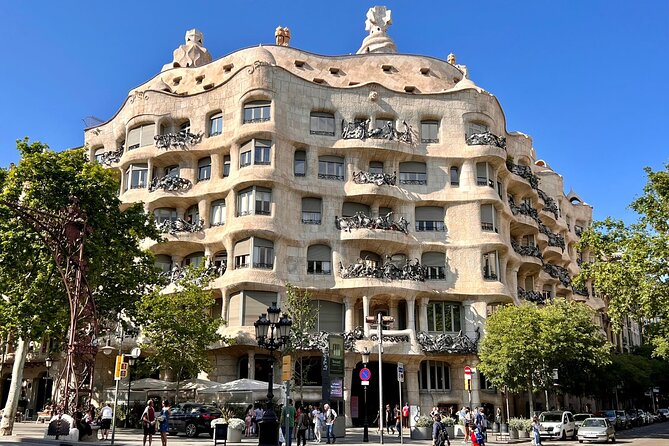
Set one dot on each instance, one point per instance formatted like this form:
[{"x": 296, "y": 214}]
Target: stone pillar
[
  {"x": 412, "y": 390},
  {"x": 513, "y": 282},
  {"x": 476, "y": 385},
  {"x": 348, "y": 379},
  {"x": 411, "y": 320},
  {"x": 365, "y": 313},
  {"x": 349, "y": 313},
  {"x": 216, "y": 166},
  {"x": 392, "y": 309},
  {"x": 422, "y": 314},
  {"x": 252, "y": 365},
  {"x": 225, "y": 304}
]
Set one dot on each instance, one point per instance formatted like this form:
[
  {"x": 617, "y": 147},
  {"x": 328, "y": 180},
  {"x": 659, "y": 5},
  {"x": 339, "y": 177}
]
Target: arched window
[
  {"x": 141, "y": 136},
  {"x": 475, "y": 128},
  {"x": 263, "y": 253},
  {"x": 435, "y": 265},
  {"x": 162, "y": 214},
  {"x": 164, "y": 263},
  {"x": 311, "y": 210},
  {"x": 204, "y": 169},
  {"x": 430, "y": 218},
  {"x": 319, "y": 259},
  {"x": 370, "y": 258},
  {"x": 349, "y": 209},
  {"x": 220, "y": 259},
  {"x": 136, "y": 176},
  {"x": 376, "y": 167},
  {"x": 257, "y": 111},
  {"x": 218, "y": 215},
  {"x": 194, "y": 260},
  {"x": 193, "y": 214},
  {"x": 216, "y": 124}
]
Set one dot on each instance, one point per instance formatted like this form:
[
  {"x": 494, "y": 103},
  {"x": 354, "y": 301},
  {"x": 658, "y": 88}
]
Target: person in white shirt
[
  {"x": 105, "y": 420},
  {"x": 317, "y": 417}
]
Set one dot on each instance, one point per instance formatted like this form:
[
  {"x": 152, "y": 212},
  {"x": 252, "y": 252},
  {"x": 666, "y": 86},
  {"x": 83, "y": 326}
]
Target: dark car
[
  {"x": 192, "y": 419},
  {"x": 612, "y": 417},
  {"x": 633, "y": 415}
]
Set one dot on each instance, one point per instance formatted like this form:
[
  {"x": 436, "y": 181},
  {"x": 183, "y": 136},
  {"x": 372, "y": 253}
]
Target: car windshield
[
  {"x": 593, "y": 422},
  {"x": 581, "y": 416},
  {"x": 549, "y": 416}
]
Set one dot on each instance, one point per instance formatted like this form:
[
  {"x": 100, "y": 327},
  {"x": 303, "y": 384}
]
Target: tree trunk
[
  {"x": 7, "y": 424},
  {"x": 531, "y": 398}
]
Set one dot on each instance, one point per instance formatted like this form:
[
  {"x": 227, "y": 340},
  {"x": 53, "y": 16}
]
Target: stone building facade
[{"x": 382, "y": 182}]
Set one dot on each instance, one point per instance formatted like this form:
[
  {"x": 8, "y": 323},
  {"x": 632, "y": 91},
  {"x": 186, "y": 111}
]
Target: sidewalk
[{"x": 31, "y": 433}]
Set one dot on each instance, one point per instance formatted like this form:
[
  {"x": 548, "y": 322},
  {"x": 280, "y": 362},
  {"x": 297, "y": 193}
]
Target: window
[
  {"x": 443, "y": 317},
  {"x": 226, "y": 166},
  {"x": 254, "y": 200},
  {"x": 163, "y": 263},
  {"x": 349, "y": 209},
  {"x": 434, "y": 375},
  {"x": 435, "y": 265},
  {"x": 429, "y": 131},
  {"x": 474, "y": 128},
  {"x": 311, "y": 210},
  {"x": 243, "y": 253},
  {"x": 217, "y": 213},
  {"x": 430, "y": 218},
  {"x": 257, "y": 111},
  {"x": 220, "y": 259},
  {"x": 141, "y": 136},
  {"x": 500, "y": 190},
  {"x": 376, "y": 167},
  {"x": 216, "y": 124},
  {"x": 263, "y": 253},
  {"x": 329, "y": 316},
  {"x": 193, "y": 214},
  {"x": 413, "y": 173},
  {"x": 385, "y": 123},
  {"x": 528, "y": 240},
  {"x": 98, "y": 154},
  {"x": 136, "y": 176},
  {"x": 194, "y": 260},
  {"x": 204, "y": 169},
  {"x": 455, "y": 176},
  {"x": 485, "y": 175},
  {"x": 491, "y": 266},
  {"x": 255, "y": 303},
  {"x": 488, "y": 218},
  {"x": 318, "y": 260},
  {"x": 547, "y": 292},
  {"x": 331, "y": 168},
  {"x": 300, "y": 163},
  {"x": 164, "y": 214},
  {"x": 371, "y": 259},
  {"x": 529, "y": 283},
  {"x": 322, "y": 124},
  {"x": 255, "y": 151},
  {"x": 171, "y": 171}
]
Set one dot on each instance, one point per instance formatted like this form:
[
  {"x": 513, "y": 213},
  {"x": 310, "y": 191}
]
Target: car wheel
[
  {"x": 563, "y": 437},
  {"x": 580, "y": 441},
  {"x": 191, "y": 430}
]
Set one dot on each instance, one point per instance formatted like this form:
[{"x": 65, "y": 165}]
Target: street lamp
[
  {"x": 272, "y": 333},
  {"x": 48, "y": 362},
  {"x": 380, "y": 321},
  {"x": 134, "y": 354},
  {"x": 365, "y": 432}
]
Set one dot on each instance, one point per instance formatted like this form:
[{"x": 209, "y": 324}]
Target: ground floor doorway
[{"x": 391, "y": 392}]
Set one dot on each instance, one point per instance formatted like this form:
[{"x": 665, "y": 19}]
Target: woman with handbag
[{"x": 164, "y": 422}]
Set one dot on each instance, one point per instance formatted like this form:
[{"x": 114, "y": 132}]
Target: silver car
[{"x": 596, "y": 429}]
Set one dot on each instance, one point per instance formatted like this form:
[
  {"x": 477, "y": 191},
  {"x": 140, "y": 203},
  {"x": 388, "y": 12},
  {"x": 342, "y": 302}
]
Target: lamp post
[
  {"x": 134, "y": 354},
  {"x": 380, "y": 320},
  {"x": 271, "y": 333},
  {"x": 365, "y": 431},
  {"x": 107, "y": 349}
]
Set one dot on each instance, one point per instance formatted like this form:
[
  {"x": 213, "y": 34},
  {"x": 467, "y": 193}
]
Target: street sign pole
[
  {"x": 468, "y": 384},
  {"x": 400, "y": 380},
  {"x": 365, "y": 375}
]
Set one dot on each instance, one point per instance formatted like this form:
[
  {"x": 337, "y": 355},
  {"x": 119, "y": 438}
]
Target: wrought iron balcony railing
[
  {"x": 386, "y": 271},
  {"x": 170, "y": 183},
  {"x": 549, "y": 203},
  {"x": 558, "y": 272},
  {"x": 173, "y": 227},
  {"x": 379, "y": 179},
  {"x": 486, "y": 138},
  {"x": 362, "y": 130},
  {"x": 181, "y": 140},
  {"x": 523, "y": 172},
  {"x": 531, "y": 296},
  {"x": 362, "y": 221},
  {"x": 525, "y": 250}
]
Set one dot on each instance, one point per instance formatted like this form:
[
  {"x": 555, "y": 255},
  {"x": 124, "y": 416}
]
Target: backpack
[{"x": 442, "y": 435}]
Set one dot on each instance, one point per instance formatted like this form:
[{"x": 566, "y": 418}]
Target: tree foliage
[
  {"x": 178, "y": 327},
  {"x": 629, "y": 264},
  {"x": 523, "y": 344}
]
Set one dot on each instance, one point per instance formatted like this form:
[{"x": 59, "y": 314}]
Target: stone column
[
  {"x": 216, "y": 166},
  {"x": 422, "y": 314},
  {"x": 412, "y": 392},
  {"x": 365, "y": 313},
  {"x": 411, "y": 320},
  {"x": 252, "y": 365},
  {"x": 476, "y": 385},
  {"x": 348, "y": 379},
  {"x": 349, "y": 313},
  {"x": 392, "y": 310},
  {"x": 225, "y": 304}
]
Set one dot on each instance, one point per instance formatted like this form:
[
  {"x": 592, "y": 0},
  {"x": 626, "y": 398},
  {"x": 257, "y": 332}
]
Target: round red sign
[{"x": 365, "y": 374}]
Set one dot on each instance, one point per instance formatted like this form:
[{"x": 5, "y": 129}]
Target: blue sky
[{"x": 586, "y": 79}]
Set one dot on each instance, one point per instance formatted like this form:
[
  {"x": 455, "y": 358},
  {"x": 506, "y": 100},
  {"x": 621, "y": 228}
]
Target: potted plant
[
  {"x": 235, "y": 428},
  {"x": 450, "y": 425},
  {"x": 423, "y": 428},
  {"x": 527, "y": 427},
  {"x": 515, "y": 426},
  {"x": 219, "y": 427}
]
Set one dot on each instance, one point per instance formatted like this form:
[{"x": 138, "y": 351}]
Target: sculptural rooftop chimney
[
  {"x": 377, "y": 23},
  {"x": 191, "y": 54}
]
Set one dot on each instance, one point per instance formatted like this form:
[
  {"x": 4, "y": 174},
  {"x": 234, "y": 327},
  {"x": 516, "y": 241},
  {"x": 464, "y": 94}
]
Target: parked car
[
  {"x": 578, "y": 419},
  {"x": 650, "y": 419},
  {"x": 557, "y": 424},
  {"x": 633, "y": 416},
  {"x": 192, "y": 419},
  {"x": 624, "y": 419},
  {"x": 663, "y": 413},
  {"x": 613, "y": 418},
  {"x": 596, "y": 429}
]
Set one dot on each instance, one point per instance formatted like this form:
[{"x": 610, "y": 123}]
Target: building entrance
[{"x": 391, "y": 392}]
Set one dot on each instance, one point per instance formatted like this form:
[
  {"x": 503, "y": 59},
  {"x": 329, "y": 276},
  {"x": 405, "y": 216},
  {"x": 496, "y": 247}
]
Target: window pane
[{"x": 216, "y": 124}]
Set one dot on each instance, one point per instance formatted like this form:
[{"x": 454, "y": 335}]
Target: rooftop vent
[
  {"x": 176, "y": 80},
  {"x": 409, "y": 88},
  {"x": 334, "y": 70},
  {"x": 227, "y": 68},
  {"x": 199, "y": 79},
  {"x": 425, "y": 71},
  {"x": 299, "y": 63},
  {"x": 318, "y": 80},
  {"x": 387, "y": 68}
]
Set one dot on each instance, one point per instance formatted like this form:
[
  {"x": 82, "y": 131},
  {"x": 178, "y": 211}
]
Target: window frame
[
  {"x": 487, "y": 226},
  {"x": 218, "y": 207},
  {"x": 257, "y": 111},
  {"x": 249, "y": 196},
  {"x": 135, "y": 168},
  {"x": 329, "y": 169},
  {"x": 302, "y": 161},
  {"x": 429, "y": 369},
  {"x": 206, "y": 168},
  {"x": 320, "y": 118},
  {"x": 491, "y": 269},
  {"x": 216, "y": 124},
  {"x": 438, "y": 310},
  {"x": 431, "y": 132}
]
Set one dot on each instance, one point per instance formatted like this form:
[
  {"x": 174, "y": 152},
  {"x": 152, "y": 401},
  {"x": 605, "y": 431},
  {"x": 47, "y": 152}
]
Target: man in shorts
[
  {"x": 148, "y": 422},
  {"x": 105, "y": 420}
]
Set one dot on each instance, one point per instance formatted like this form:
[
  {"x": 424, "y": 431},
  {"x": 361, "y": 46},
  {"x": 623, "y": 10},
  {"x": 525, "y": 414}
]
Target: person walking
[
  {"x": 389, "y": 419},
  {"x": 468, "y": 424},
  {"x": 398, "y": 425},
  {"x": 439, "y": 432},
  {"x": 148, "y": 422},
  {"x": 288, "y": 421},
  {"x": 164, "y": 422},
  {"x": 317, "y": 417},
  {"x": 405, "y": 415},
  {"x": 105, "y": 420},
  {"x": 303, "y": 426},
  {"x": 330, "y": 417},
  {"x": 536, "y": 432}
]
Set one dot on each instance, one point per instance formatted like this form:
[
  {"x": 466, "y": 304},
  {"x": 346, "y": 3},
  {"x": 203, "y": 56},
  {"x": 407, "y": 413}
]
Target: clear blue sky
[{"x": 586, "y": 79}]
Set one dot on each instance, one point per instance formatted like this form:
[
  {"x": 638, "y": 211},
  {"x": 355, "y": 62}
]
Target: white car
[
  {"x": 596, "y": 429},
  {"x": 557, "y": 424}
]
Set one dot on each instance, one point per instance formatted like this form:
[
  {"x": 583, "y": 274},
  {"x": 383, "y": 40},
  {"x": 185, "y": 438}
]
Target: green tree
[
  {"x": 178, "y": 327},
  {"x": 35, "y": 303},
  {"x": 299, "y": 307},
  {"x": 628, "y": 263},
  {"x": 523, "y": 344}
]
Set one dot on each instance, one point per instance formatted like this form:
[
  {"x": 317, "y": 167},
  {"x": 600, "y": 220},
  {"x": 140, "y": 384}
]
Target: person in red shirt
[
  {"x": 405, "y": 415},
  {"x": 149, "y": 422}
]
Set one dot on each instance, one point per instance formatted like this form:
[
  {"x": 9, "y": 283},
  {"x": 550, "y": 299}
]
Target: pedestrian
[
  {"x": 105, "y": 420},
  {"x": 468, "y": 423},
  {"x": 288, "y": 421},
  {"x": 164, "y": 422},
  {"x": 303, "y": 427},
  {"x": 405, "y": 415},
  {"x": 317, "y": 417},
  {"x": 259, "y": 414},
  {"x": 398, "y": 426},
  {"x": 377, "y": 421},
  {"x": 498, "y": 416},
  {"x": 330, "y": 417},
  {"x": 148, "y": 422},
  {"x": 389, "y": 418},
  {"x": 536, "y": 431},
  {"x": 439, "y": 432},
  {"x": 482, "y": 423}
]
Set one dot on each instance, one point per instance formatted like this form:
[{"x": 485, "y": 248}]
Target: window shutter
[
  {"x": 147, "y": 133},
  {"x": 433, "y": 259},
  {"x": 319, "y": 253},
  {"x": 133, "y": 137},
  {"x": 349, "y": 209},
  {"x": 243, "y": 247},
  {"x": 330, "y": 317},
  {"x": 234, "y": 310},
  {"x": 429, "y": 213},
  {"x": 331, "y": 159},
  {"x": 486, "y": 213},
  {"x": 311, "y": 204},
  {"x": 369, "y": 255},
  {"x": 256, "y": 303},
  {"x": 412, "y": 167},
  {"x": 264, "y": 243},
  {"x": 300, "y": 155}
]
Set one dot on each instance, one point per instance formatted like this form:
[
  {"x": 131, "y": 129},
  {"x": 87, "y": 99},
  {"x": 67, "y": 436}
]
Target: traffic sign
[
  {"x": 286, "y": 368},
  {"x": 468, "y": 372},
  {"x": 120, "y": 369},
  {"x": 365, "y": 374},
  {"x": 400, "y": 372}
]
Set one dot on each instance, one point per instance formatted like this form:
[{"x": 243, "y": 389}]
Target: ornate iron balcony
[
  {"x": 181, "y": 140},
  {"x": 531, "y": 296},
  {"x": 331, "y": 177},
  {"x": 524, "y": 250},
  {"x": 448, "y": 343},
  {"x": 558, "y": 272},
  {"x": 523, "y": 172},
  {"x": 361, "y": 130},
  {"x": 109, "y": 158},
  {"x": 173, "y": 227},
  {"x": 580, "y": 291},
  {"x": 382, "y": 222},
  {"x": 170, "y": 183},
  {"x": 486, "y": 138},
  {"x": 263, "y": 265},
  {"x": 255, "y": 120},
  {"x": 549, "y": 203},
  {"x": 523, "y": 209},
  {"x": 379, "y": 179},
  {"x": 554, "y": 239},
  {"x": 207, "y": 275},
  {"x": 387, "y": 271}
]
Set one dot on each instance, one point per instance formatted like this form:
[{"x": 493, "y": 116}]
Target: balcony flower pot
[{"x": 423, "y": 429}]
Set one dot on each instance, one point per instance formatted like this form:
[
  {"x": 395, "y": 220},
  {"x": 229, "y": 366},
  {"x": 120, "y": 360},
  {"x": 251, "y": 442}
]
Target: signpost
[
  {"x": 400, "y": 380},
  {"x": 468, "y": 383}
]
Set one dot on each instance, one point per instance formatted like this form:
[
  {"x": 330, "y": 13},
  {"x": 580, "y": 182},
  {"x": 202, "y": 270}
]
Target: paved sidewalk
[{"x": 31, "y": 433}]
